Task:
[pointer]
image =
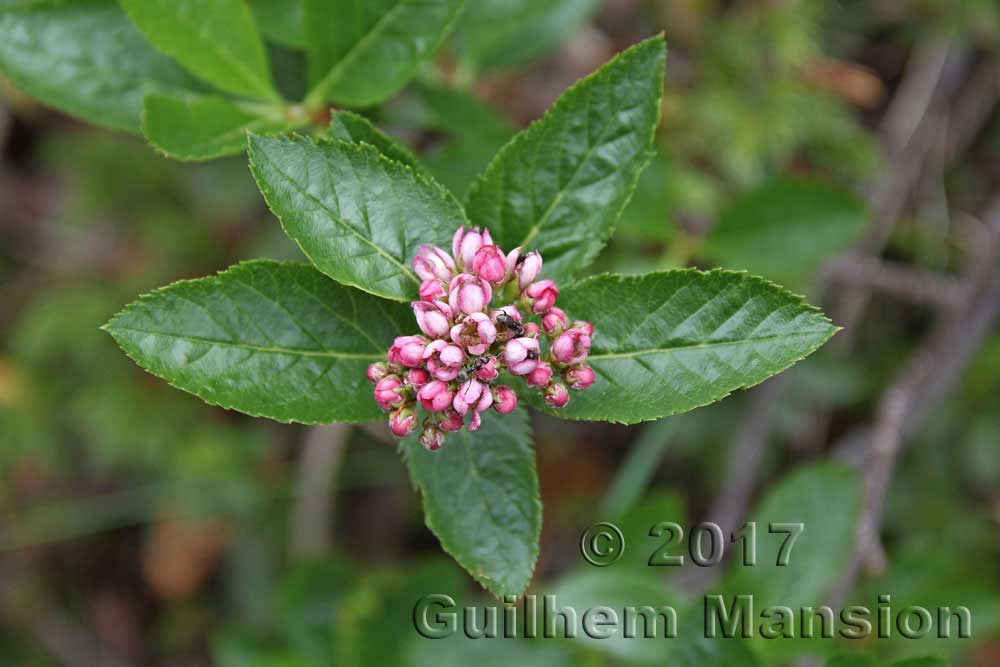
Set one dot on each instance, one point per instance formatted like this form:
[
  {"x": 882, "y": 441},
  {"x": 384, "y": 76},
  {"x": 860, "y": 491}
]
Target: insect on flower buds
[{"x": 469, "y": 342}]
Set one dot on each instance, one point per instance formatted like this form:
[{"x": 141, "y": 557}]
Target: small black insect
[{"x": 510, "y": 323}]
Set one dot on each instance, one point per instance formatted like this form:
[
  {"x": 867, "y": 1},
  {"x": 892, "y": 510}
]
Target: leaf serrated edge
[
  {"x": 527, "y": 135},
  {"x": 406, "y": 448},
  {"x": 797, "y": 299},
  {"x": 368, "y": 152},
  {"x": 152, "y": 294}
]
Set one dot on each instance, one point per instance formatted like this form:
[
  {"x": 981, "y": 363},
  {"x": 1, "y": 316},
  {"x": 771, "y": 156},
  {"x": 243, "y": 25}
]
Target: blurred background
[{"x": 847, "y": 150}]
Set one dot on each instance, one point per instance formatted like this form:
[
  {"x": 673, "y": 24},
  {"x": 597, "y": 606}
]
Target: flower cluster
[{"x": 474, "y": 312}]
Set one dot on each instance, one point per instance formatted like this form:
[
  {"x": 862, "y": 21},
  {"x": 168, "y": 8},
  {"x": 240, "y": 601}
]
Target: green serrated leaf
[
  {"x": 203, "y": 127},
  {"x": 282, "y": 21},
  {"x": 216, "y": 40},
  {"x": 352, "y": 128},
  {"x": 785, "y": 230},
  {"x": 357, "y": 215},
  {"x": 825, "y": 498},
  {"x": 271, "y": 339},
  {"x": 480, "y": 497},
  {"x": 559, "y": 186},
  {"x": 84, "y": 57},
  {"x": 360, "y": 53},
  {"x": 672, "y": 341}
]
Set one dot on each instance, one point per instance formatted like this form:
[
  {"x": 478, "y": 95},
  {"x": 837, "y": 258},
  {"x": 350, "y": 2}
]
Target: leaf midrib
[
  {"x": 706, "y": 346},
  {"x": 342, "y": 223},
  {"x": 264, "y": 349}
]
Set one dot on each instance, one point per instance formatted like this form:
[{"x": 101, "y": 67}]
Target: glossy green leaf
[
  {"x": 350, "y": 127},
  {"x": 216, "y": 40},
  {"x": 203, "y": 127},
  {"x": 357, "y": 215},
  {"x": 505, "y": 33},
  {"x": 480, "y": 497},
  {"x": 360, "y": 53},
  {"x": 785, "y": 230},
  {"x": 826, "y": 499},
  {"x": 559, "y": 186},
  {"x": 83, "y": 57},
  {"x": 282, "y": 21},
  {"x": 671, "y": 341},
  {"x": 270, "y": 339}
]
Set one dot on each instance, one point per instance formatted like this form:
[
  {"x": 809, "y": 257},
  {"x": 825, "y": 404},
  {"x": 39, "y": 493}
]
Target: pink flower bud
[
  {"x": 487, "y": 370},
  {"x": 465, "y": 244},
  {"x": 402, "y": 422},
  {"x": 377, "y": 371},
  {"x": 570, "y": 347},
  {"x": 451, "y": 420},
  {"x": 416, "y": 377},
  {"x": 554, "y": 321},
  {"x": 444, "y": 360},
  {"x": 433, "y": 262},
  {"x": 435, "y": 396},
  {"x": 432, "y": 438},
  {"x": 504, "y": 399},
  {"x": 475, "y": 333},
  {"x": 580, "y": 377},
  {"x": 388, "y": 392},
  {"x": 556, "y": 395},
  {"x": 468, "y": 394},
  {"x": 531, "y": 330},
  {"x": 587, "y": 327},
  {"x": 433, "y": 317},
  {"x": 521, "y": 355},
  {"x": 490, "y": 264},
  {"x": 524, "y": 267},
  {"x": 469, "y": 294},
  {"x": 484, "y": 403},
  {"x": 542, "y": 295},
  {"x": 433, "y": 290},
  {"x": 507, "y": 321},
  {"x": 407, "y": 351},
  {"x": 540, "y": 376}
]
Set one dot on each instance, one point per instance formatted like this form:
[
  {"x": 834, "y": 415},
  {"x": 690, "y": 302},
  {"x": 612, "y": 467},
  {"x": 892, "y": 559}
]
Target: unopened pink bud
[
  {"x": 542, "y": 295},
  {"x": 465, "y": 244},
  {"x": 554, "y": 321},
  {"x": 416, "y": 377},
  {"x": 475, "y": 333},
  {"x": 432, "y": 438},
  {"x": 531, "y": 330},
  {"x": 435, "y": 396},
  {"x": 388, "y": 392},
  {"x": 433, "y": 262},
  {"x": 468, "y": 394},
  {"x": 402, "y": 422},
  {"x": 444, "y": 360},
  {"x": 377, "y": 371},
  {"x": 487, "y": 370},
  {"x": 587, "y": 327},
  {"x": 580, "y": 377},
  {"x": 557, "y": 395},
  {"x": 570, "y": 347},
  {"x": 433, "y": 317},
  {"x": 525, "y": 268},
  {"x": 521, "y": 355},
  {"x": 451, "y": 420},
  {"x": 433, "y": 290},
  {"x": 490, "y": 264},
  {"x": 540, "y": 376},
  {"x": 407, "y": 351},
  {"x": 504, "y": 399},
  {"x": 469, "y": 294}
]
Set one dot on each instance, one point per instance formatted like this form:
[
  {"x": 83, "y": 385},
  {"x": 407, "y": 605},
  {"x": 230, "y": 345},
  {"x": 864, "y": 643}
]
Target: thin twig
[
  {"x": 317, "y": 479},
  {"x": 907, "y": 283}
]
